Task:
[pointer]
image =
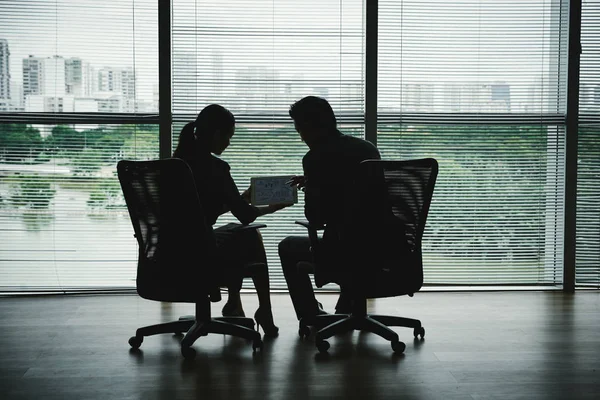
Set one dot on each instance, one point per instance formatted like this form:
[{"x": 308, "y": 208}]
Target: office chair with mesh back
[
  {"x": 380, "y": 259},
  {"x": 176, "y": 261}
]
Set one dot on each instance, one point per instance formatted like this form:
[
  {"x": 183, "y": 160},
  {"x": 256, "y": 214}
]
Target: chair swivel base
[
  {"x": 333, "y": 324},
  {"x": 195, "y": 328}
]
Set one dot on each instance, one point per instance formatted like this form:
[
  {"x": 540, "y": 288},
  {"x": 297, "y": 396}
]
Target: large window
[
  {"x": 257, "y": 58},
  {"x": 78, "y": 92},
  {"x": 481, "y": 85}
]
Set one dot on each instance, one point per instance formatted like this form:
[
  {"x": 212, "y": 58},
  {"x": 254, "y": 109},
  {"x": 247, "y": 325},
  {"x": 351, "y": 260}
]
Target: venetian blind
[
  {"x": 587, "y": 272},
  {"x": 78, "y": 82},
  {"x": 480, "y": 85},
  {"x": 257, "y": 58}
]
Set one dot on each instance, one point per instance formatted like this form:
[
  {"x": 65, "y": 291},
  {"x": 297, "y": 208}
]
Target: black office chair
[
  {"x": 380, "y": 260},
  {"x": 176, "y": 261}
]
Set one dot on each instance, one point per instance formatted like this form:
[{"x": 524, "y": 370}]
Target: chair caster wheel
[
  {"x": 398, "y": 347},
  {"x": 322, "y": 346},
  {"x": 304, "y": 331},
  {"x": 135, "y": 342},
  {"x": 188, "y": 353},
  {"x": 419, "y": 331},
  {"x": 257, "y": 344}
]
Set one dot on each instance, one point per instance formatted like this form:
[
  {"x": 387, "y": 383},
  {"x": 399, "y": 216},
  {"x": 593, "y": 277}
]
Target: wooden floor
[{"x": 502, "y": 345}]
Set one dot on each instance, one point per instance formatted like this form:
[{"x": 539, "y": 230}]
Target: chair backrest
[
  {"x": 403, "y": 191},
  {"x": 176, "y": 246}
]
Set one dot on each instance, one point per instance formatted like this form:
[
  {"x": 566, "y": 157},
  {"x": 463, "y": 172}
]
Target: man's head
[{"x": 313, "y": 119}]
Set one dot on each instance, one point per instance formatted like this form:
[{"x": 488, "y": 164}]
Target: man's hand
[{"x": 298, "y": 180}]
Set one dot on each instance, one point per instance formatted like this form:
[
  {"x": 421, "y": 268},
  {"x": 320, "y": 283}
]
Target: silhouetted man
[{"x": 329, "y": 168}]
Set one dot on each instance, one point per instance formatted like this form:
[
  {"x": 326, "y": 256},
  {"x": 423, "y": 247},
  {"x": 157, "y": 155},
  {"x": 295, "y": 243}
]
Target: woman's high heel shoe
[{"x": 265, "y": 319}]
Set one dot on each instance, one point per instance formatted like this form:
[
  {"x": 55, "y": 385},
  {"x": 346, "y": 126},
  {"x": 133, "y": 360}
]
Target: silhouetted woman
[{"x": 199, "y": 142}]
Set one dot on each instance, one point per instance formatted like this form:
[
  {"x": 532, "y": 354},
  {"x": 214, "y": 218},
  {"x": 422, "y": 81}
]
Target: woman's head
[
  {"x": 211, "y": 132},
  {"x": 215, "y": 126}
]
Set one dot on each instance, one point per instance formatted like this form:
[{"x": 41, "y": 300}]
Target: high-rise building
[
  {"x": 44, "y": 76},
  {"x": 73, "y": 75},
  {"x": 79, "y": 77},
  {"x": 32, "y": 75},
  {"x": 53, "y": 78},
  {"x": 4, "y": 70},
  {"x": 186, "y": 85},
  {"x": 119, "y": 81},
  {"x": 17, "y": 101},
  {"x": 128, "y": 90},
  {"x": 258, "y": 90}
]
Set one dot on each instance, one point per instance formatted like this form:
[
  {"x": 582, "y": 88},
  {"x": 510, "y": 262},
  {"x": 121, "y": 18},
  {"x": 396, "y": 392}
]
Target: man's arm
[{"x": 312, "y": 191}]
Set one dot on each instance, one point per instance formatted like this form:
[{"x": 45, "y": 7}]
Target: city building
[
  {"x": 49, "y": 104},
  {"x": 17, "y": 100},
  {"x": 185, "y": 83},
  {"x": 44, "y": 76},
  {"x": 118, "y": 81},
  {"x": 4, "y": 73},
  {"x": 32, "y": 75},
  {"x": 257, "y": 90},
  {"x": 79, "y": 78}
]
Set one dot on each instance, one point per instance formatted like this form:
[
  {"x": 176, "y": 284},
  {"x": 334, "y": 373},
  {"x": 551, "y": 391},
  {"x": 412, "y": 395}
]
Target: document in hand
[{"x": 272, "y": 190}]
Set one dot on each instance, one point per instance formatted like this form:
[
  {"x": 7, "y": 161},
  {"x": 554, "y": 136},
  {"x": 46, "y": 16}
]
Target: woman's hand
[{"x": 247, "y": 195}]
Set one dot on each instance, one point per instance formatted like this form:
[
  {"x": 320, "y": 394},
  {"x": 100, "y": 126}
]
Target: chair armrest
[
  {"x": 247, "y": 227},
  {"x": 308, "y": 225},
  {"x": 312, "y": 232}
]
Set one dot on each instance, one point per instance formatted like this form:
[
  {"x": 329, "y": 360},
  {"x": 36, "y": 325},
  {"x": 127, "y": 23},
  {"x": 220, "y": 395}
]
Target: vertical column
[
  {"x": 371, "y": 71},
  {"x": 571, "y": 146},
  {"x": 164, "y": 78}
]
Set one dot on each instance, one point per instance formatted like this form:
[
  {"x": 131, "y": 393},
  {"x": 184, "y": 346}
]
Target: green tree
[
  {"x": 65, "y": 139},
  {"x": 140, "y": 145},
  {"x": 19, "y": 143}
]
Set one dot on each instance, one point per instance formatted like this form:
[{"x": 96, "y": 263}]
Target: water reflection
[{"x": 36, "y": 221}]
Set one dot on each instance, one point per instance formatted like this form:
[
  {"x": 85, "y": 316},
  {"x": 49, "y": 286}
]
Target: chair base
[
  {"x": 200, "y": 325},
  {"x": 329, "y": 325}
]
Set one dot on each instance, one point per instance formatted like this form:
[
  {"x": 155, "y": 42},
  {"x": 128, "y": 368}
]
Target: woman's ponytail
[{"x": 186, "y": 144}]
